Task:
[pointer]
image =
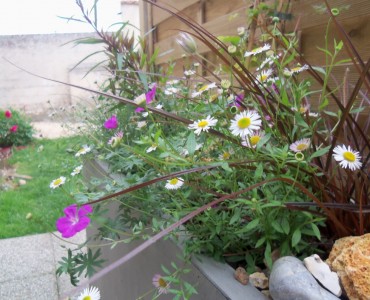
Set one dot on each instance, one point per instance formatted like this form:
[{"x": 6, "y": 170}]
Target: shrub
[{"x": 15, "y": 129}]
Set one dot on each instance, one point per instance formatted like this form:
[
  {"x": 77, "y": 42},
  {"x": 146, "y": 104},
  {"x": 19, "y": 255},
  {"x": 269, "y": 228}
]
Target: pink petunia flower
[
  {"x": 75, "y": 220},
  {"x": 8, "y": 114},
  {"x": 149, "y": 96},
  {"x": 14, "y": 128},
  {"x": 111, "y": 123}
]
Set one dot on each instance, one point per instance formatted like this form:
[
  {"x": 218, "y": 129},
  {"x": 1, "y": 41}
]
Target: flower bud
[{"x": 187, "y": 43}]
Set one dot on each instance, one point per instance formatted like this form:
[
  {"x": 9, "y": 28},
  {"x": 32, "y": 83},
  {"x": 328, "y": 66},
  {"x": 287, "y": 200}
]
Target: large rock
[
  {"x": 321, "y": 271},
  {"x": 350, "y": 258},
  {"x": 290, "y": 279}
]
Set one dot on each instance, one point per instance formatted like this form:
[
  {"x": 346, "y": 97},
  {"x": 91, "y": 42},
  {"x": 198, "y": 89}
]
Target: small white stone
[
  {"x": 321, "y": 271},
  {"x": 22, "y": 182}
]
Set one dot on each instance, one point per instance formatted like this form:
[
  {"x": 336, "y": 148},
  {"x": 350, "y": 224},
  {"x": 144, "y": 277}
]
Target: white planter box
[{"x": 213, "y": 280}]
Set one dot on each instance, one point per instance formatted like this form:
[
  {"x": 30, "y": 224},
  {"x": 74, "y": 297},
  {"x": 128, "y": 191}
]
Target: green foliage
[
  {"x": 15, "y": 129},
  {"x": 80, "y": 263},
  {"x": 256, "y": 143}
]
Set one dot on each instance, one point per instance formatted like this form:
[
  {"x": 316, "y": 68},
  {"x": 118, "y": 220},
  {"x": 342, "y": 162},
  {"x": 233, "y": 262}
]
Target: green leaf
[
  {"x": 277, "y": 226},
  {"x": 235, "y": 217},
  {"x": 191, "y": 143},
  {"x": 260, "y": 242},
  {"x": 320, "y": 152},
  {"x": 268, "y": 257},
  {"x": 229, "y": 39},
  {"x": 258, "y": 172},
  {"x": 225, "y": 166},
  {"x": 296, "y": 237},
  {"x": 285, "y": 225},
  {"x": 316, "y": 231},
  {"x": 253, "y": 224}
]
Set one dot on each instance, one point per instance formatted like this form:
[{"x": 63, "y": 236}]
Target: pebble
[
  {"x": 259, "y": 280},
  {"x": 290, "y": 279},
  {"x": 241, "y": 275}
]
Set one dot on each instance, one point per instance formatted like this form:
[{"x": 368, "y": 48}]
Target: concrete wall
[
  {"x": 45, "y": 55},
  {"x": 51, "y": 56}
]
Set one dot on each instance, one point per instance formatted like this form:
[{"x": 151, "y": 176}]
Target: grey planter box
[{"x": 213, "y": 280}]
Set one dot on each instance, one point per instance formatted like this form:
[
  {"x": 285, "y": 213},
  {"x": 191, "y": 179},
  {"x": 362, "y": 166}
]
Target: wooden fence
[{"x": 223, "y": 17}]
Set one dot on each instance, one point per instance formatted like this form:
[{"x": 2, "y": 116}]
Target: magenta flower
[
  {"x": 14, "y": 128},
  {"x": 149, "y": 96},
  {"x": 111, "y": 123},
  {"x": 75, "y": 220},
  {"x": 8, "y": 114}
]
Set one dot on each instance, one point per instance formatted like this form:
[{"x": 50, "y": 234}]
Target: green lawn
[{"x": 36, "y": 197}]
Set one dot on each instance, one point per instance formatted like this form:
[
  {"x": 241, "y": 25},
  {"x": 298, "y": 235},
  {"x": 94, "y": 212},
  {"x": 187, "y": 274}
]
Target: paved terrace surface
[
  {"x": 28, "y": 263},
  {"x": 28, "y": 266}
]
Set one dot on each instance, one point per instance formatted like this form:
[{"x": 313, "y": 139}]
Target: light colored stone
[
  {"x": 22, "y": 182},
  {"x": 290, "y": 279},
  {"x": 321, "y": 271},
  {"x": 350, "y": 258},
  {"x": 259, "y": 280},
  {"x": 241, "y": 275}
]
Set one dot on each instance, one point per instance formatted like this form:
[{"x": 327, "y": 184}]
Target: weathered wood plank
[{"x": 160, "y": 15}]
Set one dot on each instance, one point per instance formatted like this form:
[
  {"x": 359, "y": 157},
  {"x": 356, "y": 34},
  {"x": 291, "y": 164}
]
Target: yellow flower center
[
  {"x": 58, "y": 181},
  {"x": 254, "y": 139},
  {"x": 226, "y": 155},
  {"x": 244, "y": 123},
  {"x": 296, "y": 69},
  {"x": 302, "y": 109},
  {"x": 174, "y": 181},
  {"x": 203, "y": 123},
  {"x": 86, "y": 298},
  {"x": 162, "y": 283},
  {"x": 349, "y": 156},
  {"x": 301, "y": 147},
  {"x": 264, "y": 77},
  {"x": 203, "y": 88}
]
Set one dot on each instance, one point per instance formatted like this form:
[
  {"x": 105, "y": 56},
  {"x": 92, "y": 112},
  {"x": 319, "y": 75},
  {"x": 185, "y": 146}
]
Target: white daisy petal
[
  {"x": 57, "y": 182},
  {"x": 174, "y": 183},
  {"x": 300, "y": 145},
  {"x": 203, "y": 125},
  {"x": 91, "y": 293},
  {"x": 347, "y": 157},
  {"x": 245, "y": 123}
]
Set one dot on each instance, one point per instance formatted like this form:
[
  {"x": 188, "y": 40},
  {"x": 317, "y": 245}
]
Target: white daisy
[
  {"x": 245, "y": 123},
  {"x": 161, "y": 284},
  {"x": 296, "y": 70},
  {"x": 171, "y": 90},
  {"x": 252, "y": 140},
  {"x": 225, "y": 155},
  {"x": 257, "y": 50},
  {"x": 141, "y": 124},
  {"x": 347, "y": 157},
  {"x": 91, "y": 293},
  {"x": 57, "y": 182},
  {"x": 263, "y": 77},
  {"x": 204, "y": 88},
  {"x": 189, "y": 73},
  {"x": 174, "y": 183},
  {"x": 203, "y": 125},
  {"x": 153, "y": 147},
  {"x": 84, "y": 149},
  {"x": 76, "y": 170},
  {"x": 300, "y": 145}
]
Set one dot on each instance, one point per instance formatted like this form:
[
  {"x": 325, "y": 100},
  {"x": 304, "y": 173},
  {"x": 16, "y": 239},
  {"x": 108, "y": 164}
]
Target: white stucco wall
[{"x": 51, "y": 56}]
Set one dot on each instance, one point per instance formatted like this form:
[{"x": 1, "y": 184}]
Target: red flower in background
[
  {"x": 13, "y": 128},
  {"x": 8, "y": 114}
]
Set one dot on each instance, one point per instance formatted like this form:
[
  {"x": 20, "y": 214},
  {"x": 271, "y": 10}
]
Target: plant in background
[
  {"x": 15, "y": 129},
  {"x": 251, "y": 158}
]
